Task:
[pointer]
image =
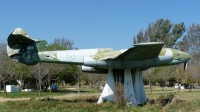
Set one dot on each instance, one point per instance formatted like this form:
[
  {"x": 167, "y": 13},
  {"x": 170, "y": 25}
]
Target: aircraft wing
[{"x": 141, "y": 51}]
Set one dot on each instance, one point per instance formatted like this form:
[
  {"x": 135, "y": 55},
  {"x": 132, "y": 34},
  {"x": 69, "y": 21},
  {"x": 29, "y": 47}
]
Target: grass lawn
[
  {"x": 184, "y": 94},
  {"x": 185, "y": 101},
  {"x": 58, "y": 92}
]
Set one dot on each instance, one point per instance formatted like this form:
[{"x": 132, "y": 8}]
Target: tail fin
[{"x": 21, "y": 47}]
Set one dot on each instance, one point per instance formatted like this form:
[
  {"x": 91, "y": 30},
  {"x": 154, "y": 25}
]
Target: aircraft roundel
[{"x": 70, "y": 57}]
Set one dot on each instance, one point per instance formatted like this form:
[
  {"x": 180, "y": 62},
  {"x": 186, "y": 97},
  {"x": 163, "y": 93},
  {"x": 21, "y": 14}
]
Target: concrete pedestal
[{"x": 134, "y": 93}]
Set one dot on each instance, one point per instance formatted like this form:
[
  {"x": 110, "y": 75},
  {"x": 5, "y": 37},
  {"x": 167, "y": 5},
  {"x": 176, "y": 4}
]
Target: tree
[
  {"x": 65, "y": 43},
  {"x": 178, "y": 76},
  {"x": 22, "y": 73},
  {"x": 40, "y": 71},
  {"x": 95, "y": 80},
  {"x": 144, "y": 36},
  {"x": 165, "y": 31},
  {"x": 59, "y": 44},
  {"x": 7, "y": 67},
  {"x": 53, "y": 69},
  {"x": 150, "y": 75},
  {"x": 65, "y": 76},
  {"x": 191, "y": 44},
  {"x": 42, "y": 45},
  {"x": 163, "y": 74},
  {"x": 161, "y": 31},
  {"x": 77, "y": 73}
]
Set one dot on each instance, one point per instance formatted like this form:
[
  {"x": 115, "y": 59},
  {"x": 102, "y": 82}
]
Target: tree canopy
[{"x": 161, "y": 31}]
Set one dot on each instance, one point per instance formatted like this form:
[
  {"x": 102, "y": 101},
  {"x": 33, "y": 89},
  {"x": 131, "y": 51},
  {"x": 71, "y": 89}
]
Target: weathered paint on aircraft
[
  {"x": 23, "y": 48},
  {"x": 123, "y": 66}
]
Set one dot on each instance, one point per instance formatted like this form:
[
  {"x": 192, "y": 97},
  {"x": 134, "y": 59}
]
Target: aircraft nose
[{"x": 185, "y": 57}]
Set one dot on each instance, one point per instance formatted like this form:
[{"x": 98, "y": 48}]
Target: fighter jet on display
[{"x": 23, "y": 48}]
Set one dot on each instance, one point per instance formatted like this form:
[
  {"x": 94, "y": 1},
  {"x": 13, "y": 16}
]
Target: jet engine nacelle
[
  {"x": 88, "y": 61},
  {"x": 88, "y": 69},
  {"x": 94, "y": 70}
]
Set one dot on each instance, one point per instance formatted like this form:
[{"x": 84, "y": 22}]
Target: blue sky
[{"x": 92, "y": 23}]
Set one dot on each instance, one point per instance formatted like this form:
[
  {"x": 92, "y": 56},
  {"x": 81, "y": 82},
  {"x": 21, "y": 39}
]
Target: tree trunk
[
  {"x": 179, "y": 87},
  {"x": 78, "y": 86},
  {"x": 166, "y": 86},
  {"x": 46, "y": 86},
  {"x": 190, "y": 82},
  {"x": 39, "y": 92},
  {"x": 162, "y": 88},
  {"x": 49, "y": 82},
  {"x": 4, "y": 86},
  {"x": 0, "y": 84},
  {"x": 190, "y": 87},
  {"x": 63, "y": 83},
  {"x": 150, "y": 86},
  {"x": 37, "y": 84},
  {"x": 22, "y": 83}
]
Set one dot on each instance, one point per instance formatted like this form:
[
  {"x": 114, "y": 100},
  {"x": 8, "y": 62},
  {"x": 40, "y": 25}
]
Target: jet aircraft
[{"x": 22, "y": 48}]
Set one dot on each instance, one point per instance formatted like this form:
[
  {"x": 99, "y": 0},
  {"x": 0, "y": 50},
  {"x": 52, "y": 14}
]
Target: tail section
[{"x": 21, "y": 47}]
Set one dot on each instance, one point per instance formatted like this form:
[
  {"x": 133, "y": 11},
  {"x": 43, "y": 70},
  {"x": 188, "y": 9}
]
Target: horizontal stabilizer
[{"x": 19, "y": 36}]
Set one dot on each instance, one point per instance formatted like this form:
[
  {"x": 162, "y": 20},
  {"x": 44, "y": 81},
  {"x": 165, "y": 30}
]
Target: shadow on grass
[{"x": 89, "y": 99}]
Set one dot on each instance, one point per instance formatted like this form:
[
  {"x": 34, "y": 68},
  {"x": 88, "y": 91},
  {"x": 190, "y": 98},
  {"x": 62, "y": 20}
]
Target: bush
[{"x": 119, "y": 95}]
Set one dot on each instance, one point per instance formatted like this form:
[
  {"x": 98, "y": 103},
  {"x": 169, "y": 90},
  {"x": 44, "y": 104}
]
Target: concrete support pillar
[
  {"x": 129, "y": 93},
  {"x": 139, "y": 86},
  {"x": 109, "y": 88},
  {"x": 133, "y": 86}
]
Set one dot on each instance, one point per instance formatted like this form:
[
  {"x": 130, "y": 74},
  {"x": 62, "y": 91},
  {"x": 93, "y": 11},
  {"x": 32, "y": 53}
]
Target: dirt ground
[
  {"x": 12, "y": 99},
  {"x": 67, "y": 96}
]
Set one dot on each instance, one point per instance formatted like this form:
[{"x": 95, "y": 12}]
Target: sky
[{"x": 92, "y": 23}]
